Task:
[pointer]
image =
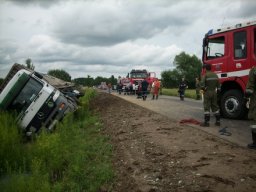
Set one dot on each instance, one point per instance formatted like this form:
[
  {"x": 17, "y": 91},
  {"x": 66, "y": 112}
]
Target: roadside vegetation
[
  {"x": 189, "y": 93},
  {"x": 75, "y": 157}
]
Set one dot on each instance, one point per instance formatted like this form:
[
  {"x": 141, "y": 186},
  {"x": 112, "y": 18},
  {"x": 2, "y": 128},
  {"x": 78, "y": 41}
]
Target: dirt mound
[{"x": 153, "y": 153}]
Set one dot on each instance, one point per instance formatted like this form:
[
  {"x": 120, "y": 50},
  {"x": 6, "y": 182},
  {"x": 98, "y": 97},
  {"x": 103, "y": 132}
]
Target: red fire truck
[
  {"x": 135, "y": 77},
  {"x": 231, "y": 51}
]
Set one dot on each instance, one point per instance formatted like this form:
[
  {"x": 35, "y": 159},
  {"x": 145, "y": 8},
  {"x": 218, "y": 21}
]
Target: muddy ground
[{"x": 153, "y": 153}]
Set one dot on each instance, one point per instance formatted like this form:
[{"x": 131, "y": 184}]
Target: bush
[{"x": 11, "y": 149}]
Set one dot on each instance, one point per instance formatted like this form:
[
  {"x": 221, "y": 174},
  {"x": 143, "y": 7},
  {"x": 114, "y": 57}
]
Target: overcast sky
[{"x": 110, "y": 37}]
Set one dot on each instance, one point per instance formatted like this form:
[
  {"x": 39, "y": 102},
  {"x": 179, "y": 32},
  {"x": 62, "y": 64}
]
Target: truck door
[
  {"x": 216, "y": 53},
  {"x": 253, "y": 51},
  {"x": 239, "y": 58}
]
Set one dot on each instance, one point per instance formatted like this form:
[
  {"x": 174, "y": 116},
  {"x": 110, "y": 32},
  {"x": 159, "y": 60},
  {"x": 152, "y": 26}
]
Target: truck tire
[{"x": 232, "y": 104}]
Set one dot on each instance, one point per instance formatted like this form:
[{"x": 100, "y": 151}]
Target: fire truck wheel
[{"x": 232, "y": 104}]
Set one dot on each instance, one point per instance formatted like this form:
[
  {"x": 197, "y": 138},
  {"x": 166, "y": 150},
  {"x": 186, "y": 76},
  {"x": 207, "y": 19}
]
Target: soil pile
[{"x": 153, "y": 153}]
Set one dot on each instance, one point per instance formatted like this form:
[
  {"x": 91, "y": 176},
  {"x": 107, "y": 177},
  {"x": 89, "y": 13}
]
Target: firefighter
[
  {"x": 119, "y": 85},
  {"x": 250, "y": 93},
  {"x": 211, "y": 86},
  {"x": 182, "y": 88},
  {"x": 139, "y": 91},
  {"x": 144, "y": 89},
  {"x": 156, "y": 87},
  {"x": 198, "y": 88}
]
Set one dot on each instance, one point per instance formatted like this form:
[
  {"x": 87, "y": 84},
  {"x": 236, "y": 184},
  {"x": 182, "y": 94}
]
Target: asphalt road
[{"x": 177, "y": 110}]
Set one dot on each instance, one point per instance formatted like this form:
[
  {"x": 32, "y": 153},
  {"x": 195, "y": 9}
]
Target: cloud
[
  {"x": 110, "y": 37},
  {"x": 44, "y": 49},
  {"x": 93, "y": 24},
  {"x": 42, "y": 3},
  {"x": 246, "y": 10},
  {"x": 48, "y": 53}
]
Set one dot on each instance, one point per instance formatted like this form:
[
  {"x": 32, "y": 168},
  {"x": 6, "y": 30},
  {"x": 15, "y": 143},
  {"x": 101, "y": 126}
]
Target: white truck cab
[{"x": 36, "y": 102}]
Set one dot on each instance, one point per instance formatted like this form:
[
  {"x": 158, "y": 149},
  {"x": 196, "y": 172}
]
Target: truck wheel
[{"x": 232, "y": 104}]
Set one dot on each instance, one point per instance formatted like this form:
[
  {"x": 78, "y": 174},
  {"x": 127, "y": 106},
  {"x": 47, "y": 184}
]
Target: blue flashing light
[
  {"x": 238, "y": 25},
  {"x": 210, "y": 32}
]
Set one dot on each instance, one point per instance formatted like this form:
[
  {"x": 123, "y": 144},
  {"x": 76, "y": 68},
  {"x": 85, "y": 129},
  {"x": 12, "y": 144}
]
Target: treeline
[
  {"x": 186, "y": 66},
  {"x": 89, "y": 81},
  {"x": 84, "y": 81}
]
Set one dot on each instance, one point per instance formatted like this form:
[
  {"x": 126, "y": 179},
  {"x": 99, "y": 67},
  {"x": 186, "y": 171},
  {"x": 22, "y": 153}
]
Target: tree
[
  {"x": 113, "y": 80},
  {"x": 186, "y": 66},
  {"x": 88, "y": 81},
  {"x": 61, "y": 74},
  {"x": 189, "y": 67},
  {"x": 171, "y": 78},
  {"x": 29, "y": 64}
]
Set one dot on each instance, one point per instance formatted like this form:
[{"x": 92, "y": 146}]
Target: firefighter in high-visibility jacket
[
  {"x": 210, "y": 86},
  {"x": 250, "y": 94}
]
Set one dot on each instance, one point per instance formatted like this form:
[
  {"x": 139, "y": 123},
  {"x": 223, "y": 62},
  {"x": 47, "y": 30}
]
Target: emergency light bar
[{"x": 237, "y": 26}]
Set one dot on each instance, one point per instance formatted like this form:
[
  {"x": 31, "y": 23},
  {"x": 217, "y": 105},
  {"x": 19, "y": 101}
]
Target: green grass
[
  {"x": 75, "y": 157},
  {"x": 189, "y": 93}
]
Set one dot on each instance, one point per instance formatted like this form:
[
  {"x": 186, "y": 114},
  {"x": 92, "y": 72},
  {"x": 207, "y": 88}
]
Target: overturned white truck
[{"x": 36, "y": 102}]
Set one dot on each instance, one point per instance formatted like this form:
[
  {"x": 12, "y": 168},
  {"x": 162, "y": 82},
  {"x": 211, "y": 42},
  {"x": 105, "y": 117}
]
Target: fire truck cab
[
  {"x": 231, "y": 51},
  {"x": 136, "y": 76}
]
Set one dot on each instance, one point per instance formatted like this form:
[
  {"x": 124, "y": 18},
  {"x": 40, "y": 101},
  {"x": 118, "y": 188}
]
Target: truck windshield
[
  {"x": 216, "y": 47},
  {"x": 139, "y": 75},
  {"x": 26, "y": 96}
]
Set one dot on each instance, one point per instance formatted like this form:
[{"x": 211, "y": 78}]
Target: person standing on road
[
  {"x": 119, "y": 85},
  {"x": 198, "y": 88},
  {"x": 144, "y": 89},
  {"x": 139, "y": 90},
  {"x": 250, "y": 94},
  {"x": 211, "y": 86},
  {"x": 182, "y": 87},
  {"x": 109, "y": 87},
  {"x": 156, "y": 86}
]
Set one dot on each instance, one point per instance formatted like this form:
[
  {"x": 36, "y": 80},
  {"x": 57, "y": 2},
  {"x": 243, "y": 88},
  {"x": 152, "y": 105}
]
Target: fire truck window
[
  {"x": 139, "y": 75},
  {"x": 216, "y": 47},
  {"x": 240, "y": 50}
]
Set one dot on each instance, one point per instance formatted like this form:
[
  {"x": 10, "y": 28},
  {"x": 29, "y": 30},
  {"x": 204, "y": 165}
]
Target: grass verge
[{"x": 75, "y": 157}]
